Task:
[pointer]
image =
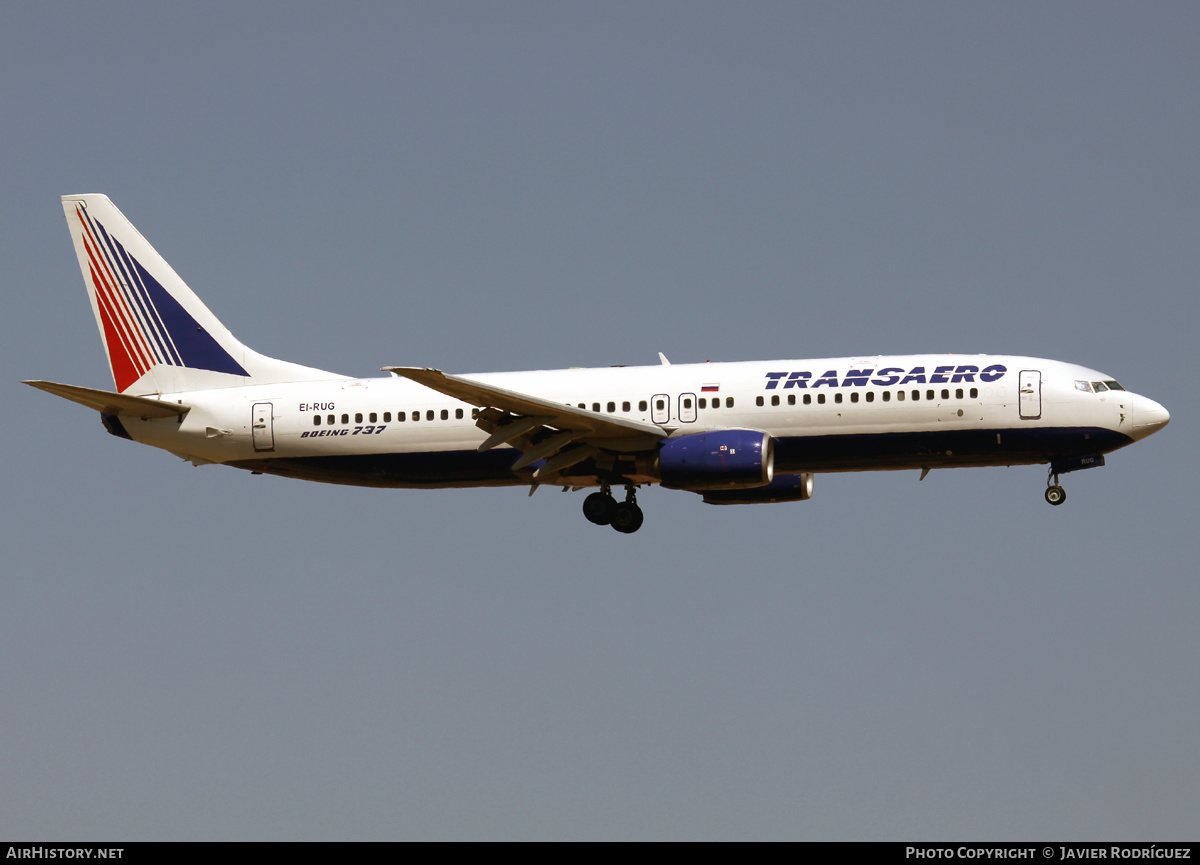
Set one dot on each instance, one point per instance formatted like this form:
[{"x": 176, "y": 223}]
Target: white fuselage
[{"x": 830, "y": 414}]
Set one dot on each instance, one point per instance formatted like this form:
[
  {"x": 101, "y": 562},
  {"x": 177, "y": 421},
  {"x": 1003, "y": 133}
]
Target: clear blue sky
[{"x": 204, "y": 654}]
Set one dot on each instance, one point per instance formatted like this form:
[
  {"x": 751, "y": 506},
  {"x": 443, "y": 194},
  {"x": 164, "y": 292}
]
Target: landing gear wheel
[
  {"x": 627, "y": 518},
  {"x": 599, "y": 508},
  {"x": 1056, "y": 495}
]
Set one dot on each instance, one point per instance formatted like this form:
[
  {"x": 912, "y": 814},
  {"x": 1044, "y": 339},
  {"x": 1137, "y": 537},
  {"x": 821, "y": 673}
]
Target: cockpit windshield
[
  {"x": 1113, "y": 385},
  {"x": 1100, "y": 386}
]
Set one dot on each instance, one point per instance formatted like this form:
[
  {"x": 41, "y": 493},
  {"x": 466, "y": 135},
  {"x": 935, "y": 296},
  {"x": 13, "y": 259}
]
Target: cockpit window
[
  {"x": 1083, "y": 386},
  {"x": 1112, "y": 385},
  {"x": 1099, "y": 386}
]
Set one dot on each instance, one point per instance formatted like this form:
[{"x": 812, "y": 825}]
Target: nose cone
[{"x": 1148, "y": 417}]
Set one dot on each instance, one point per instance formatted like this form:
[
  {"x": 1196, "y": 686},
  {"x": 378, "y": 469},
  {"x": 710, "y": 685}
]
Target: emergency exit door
[{"x": 660, "y": 408}]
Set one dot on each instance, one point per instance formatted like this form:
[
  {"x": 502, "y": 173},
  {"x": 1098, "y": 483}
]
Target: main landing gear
[
  {"x": 603, "y": 510},
  {"x": 1055, "y": 494}
]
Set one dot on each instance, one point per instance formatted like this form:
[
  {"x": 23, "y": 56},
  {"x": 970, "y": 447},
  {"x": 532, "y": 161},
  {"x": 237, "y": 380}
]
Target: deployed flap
[
  {"x": 589, "y": 425},
  {"x": 112, "y": 403}
]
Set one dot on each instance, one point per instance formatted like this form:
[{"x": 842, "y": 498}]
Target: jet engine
[
  {"x": 729, "y": 459},
  {"x": 784, "y": 488}
]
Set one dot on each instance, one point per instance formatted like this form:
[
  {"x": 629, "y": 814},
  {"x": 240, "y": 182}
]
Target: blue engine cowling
[
  {"x": 785, "y": 488},
  {"x": 722, "y": 460}
]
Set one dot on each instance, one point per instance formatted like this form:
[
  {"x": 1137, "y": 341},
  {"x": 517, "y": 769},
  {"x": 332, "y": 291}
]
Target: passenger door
[
  {"x": 1031, "y": 394},
  {"x": 262, "y": 429}
]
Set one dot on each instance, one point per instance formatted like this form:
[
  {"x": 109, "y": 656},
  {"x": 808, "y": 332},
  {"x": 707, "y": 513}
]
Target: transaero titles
[{"x": 887, "y": 376}]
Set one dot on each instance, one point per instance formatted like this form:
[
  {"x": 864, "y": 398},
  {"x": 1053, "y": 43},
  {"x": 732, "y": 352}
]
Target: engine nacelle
[
  {"x": 722, "y": 460},
  {"x": 785, "y": 488}
]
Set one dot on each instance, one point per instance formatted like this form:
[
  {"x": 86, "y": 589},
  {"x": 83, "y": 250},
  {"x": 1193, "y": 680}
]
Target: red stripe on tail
[{"x": 124, "y": 369}]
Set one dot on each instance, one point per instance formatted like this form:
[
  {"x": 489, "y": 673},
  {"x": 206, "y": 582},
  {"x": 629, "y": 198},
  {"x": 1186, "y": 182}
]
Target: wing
[{"x": 561, "y": 434}]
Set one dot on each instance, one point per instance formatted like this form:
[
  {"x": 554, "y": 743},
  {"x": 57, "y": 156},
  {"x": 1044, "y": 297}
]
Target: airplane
[{"x": 733, "y": 433}]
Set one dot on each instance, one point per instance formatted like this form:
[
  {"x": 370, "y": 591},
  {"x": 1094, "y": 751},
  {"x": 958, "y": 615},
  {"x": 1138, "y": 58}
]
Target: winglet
[{"x": 662, "y": 357}]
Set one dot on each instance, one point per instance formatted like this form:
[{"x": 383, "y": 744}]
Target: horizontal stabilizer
[{"x": 112, "y": 403}]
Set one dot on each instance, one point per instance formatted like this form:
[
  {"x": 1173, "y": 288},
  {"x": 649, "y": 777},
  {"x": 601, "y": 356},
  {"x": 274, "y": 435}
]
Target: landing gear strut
[
  {"x": 1055, "y": 494},
  {"x": 603, "y": 510}
]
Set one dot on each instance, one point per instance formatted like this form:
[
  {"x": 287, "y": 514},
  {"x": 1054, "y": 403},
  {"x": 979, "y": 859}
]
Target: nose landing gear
[{"x": 603, "y": 510}]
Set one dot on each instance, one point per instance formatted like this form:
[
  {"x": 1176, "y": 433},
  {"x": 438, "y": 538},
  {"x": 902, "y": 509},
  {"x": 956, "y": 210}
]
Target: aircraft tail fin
[{"x": 158, "y": 335}]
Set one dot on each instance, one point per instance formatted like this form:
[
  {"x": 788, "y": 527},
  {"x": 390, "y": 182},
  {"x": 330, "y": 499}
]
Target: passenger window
[
  {"x": 401, "y": 416},
  {"x": 791, "y": 399},
  {"x": 358, "y": 417},
  {"x": 887, "y": 395},
  {"x": 345, "y": 418},
  {"x": 703, "y": 402},
  {"x": 387, "y": 417},
  {"x": 625, "y": 406},
  {"x": 775, "y": 399},
  {"x": 854, "y": 396},
  {"x": 728, "y": 402},
  {"x": 458, "y": 414},
  {"x": 945, "y": 393},
  {"x": 416, "y": 415},
  {"x": 916, "y": 395},
  {"x": 642, "y": 405},
  {"x": 687, "y": 402},
  {"x": 900, "y": 396},
  {"x": 837, "y": 398},
  {"x": 716, "y": 402},
  {"x": 445, "y": 414},
  {"x": 758, "y": 400},
  {"x": 596, "y": 406},
  {"x": 612, "y": 408},
  {"x": 330, "y": 420},
  {"x": 658, "y": 405},
  {"x": 429, "y": 415},
  {"x": 958, "y": 394},
  {"x": 808, "y": 399},
  {"x": 870, "y": 396},
  {"x": 583, "y": 405},
  {"x": 316, "y": 420},
  {"x": 929, "y": 394},
  {"x": 820, "y": 398},
  {"x": 372, "y": 417},
  {"x": 974, "y": 393}
]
